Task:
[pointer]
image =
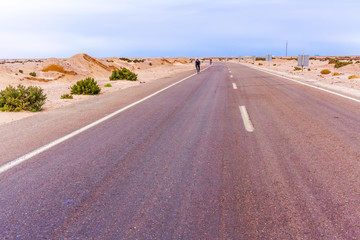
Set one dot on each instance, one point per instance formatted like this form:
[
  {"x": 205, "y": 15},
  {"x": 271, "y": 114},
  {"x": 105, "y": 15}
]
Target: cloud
[{"x": 180, "y": 27}]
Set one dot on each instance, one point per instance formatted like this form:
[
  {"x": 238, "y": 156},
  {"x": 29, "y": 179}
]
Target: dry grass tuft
[
  {"x": 325, "y": 71},
  {"x": 353, "y": 77},
  {"x": 57, "y": 68},
  {"x": 54, "y": 67}
]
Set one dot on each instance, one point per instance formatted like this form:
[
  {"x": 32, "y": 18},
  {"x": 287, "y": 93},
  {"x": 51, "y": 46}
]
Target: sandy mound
[
  {"x": 85, "y": 65},
  {"x": 182, "y": 60}
]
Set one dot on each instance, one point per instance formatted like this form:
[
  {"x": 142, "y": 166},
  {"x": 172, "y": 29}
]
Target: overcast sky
[{"x": 173, "y": 28}]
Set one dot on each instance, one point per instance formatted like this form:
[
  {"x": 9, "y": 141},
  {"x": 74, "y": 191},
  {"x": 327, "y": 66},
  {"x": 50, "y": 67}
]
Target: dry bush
[
  {"x": 336, "y": 74},
  {"x": 260, "y": 64},
  {"x": 325, "y": 71},
  {"x": 353, "y": 77}
]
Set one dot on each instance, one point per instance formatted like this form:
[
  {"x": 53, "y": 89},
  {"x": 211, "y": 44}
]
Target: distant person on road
[
  {"x": 210, "y": 61},
  {"x": 197, "y": 65}
]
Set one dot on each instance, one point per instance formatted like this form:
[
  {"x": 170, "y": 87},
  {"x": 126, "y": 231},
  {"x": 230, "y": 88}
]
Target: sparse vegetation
[
  {"x": 338, "y": 63},
  {"x": 150, "y": 64},
  {"x": 353, "y": 77},
  {"x": 297, "y": 68},
  {"x": 336, "y": 74},
  {"x": 325, "y": 71},
  {"x": 260, "y": 59},
  {"x": 22, "y": 98},
  {"x": 125, "y": 59},
  {"x": 138, "y": 61},
  {"x": 341, "y": 64},
  {"x": 260, "y": 64},
  {"x": 21, "y": 71},
  {"x": 309, "y": 69},
  {"x": 108, "y": 85},
  {"x": 110, "y": 60},
  {"x": 32, "y": 74},
  {"x": 123, "y": 74},
  {"x": 333, "y": 60},
  {"x": 274, "y": 64},
  {"x": 86, "y": 87},
  {"x": 66, "y": 96}
]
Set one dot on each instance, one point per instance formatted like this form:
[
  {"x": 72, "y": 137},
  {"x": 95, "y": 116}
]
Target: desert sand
[
  {"x": 81, "y": 66},
  {"x": 67, "y": 72},
  {"x": 337, "y": 80}
]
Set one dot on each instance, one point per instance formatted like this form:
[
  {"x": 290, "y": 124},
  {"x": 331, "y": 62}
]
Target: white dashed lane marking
[{"x": 246, "y": 119}]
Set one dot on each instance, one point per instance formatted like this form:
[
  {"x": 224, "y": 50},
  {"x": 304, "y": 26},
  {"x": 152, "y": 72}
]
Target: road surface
[{"x": 230, "y": 153}]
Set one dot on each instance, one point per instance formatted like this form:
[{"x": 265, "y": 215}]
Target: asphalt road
[{"x": 182, "y": 165}]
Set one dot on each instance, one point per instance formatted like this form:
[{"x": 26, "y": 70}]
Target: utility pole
[{"x": 286, "y": 48}]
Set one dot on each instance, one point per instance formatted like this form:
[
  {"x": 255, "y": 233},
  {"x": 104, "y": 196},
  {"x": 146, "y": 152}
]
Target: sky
[{"x": 174, "y": 28}]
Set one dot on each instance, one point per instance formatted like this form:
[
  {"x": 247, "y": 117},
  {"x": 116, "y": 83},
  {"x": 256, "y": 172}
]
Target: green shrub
[
  {"x": 66, "y": 96},
  {"x": 123, "y": 74},
  {"x": 86, "y": 87},
  {"x": 150, "y": 64},
  {"x": 139, "y": 61},
  {"x": 21, "y": 71},
  {"x": 297, "y": 68},
  {"x": 21, "y": 98},
  {"x": 125, "y": 59},
  {"x": 339, "y": 64},
  {"x": 32, "y": 74},
  {"x": 108, "y": 85},
  {"x": 325, "y": 71}
]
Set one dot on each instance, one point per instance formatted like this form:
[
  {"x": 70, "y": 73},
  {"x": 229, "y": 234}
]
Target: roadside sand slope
[
  {"x": 56, "y": 76},
  {"x": 339, "y": 82}
]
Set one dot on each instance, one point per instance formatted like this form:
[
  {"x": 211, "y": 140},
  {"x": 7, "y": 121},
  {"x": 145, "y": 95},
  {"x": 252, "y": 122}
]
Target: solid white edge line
[
  {"x": 234, "y": 86},
  {"x": 25, "y": 157},
  {"x": 309, "y": 85},
  {"x": 246, "y": 119}
]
